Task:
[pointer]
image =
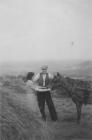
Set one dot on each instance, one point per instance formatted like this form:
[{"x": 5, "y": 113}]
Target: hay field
[{"x": 19, "y": 120}]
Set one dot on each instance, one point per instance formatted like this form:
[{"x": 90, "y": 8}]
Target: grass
[{"x": 17, "y": 122}]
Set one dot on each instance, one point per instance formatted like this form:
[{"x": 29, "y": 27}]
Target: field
[{"x": 20, "y": 118}]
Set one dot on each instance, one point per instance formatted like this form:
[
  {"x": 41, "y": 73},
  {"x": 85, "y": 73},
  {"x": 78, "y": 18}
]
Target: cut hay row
[{"x": 17, "y": 122}]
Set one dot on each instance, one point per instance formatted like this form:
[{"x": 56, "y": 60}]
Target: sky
[{"x": 45, "y": 30}]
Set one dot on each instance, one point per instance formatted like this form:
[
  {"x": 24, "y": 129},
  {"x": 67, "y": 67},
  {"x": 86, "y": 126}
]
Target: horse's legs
[{"x": 78, "y": 106}]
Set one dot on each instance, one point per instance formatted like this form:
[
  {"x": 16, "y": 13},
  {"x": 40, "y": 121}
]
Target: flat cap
[{"x": 44, "y": 67}]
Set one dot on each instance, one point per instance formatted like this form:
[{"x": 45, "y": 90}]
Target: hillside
[
  {"x": 17, "y": 120},
  {"x": 20, "y": 120}
]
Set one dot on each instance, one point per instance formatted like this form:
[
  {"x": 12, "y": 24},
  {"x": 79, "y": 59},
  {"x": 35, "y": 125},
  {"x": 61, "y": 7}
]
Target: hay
[
  {"x": 17, "y": 85},
  {"x": 17, "y": 122}
]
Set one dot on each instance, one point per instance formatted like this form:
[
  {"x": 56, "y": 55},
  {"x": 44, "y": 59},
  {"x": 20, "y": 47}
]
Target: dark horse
[{"x": 79, "y": 95}]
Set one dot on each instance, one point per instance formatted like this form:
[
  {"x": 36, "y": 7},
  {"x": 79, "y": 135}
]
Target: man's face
[{"x": 44, "y": 71}]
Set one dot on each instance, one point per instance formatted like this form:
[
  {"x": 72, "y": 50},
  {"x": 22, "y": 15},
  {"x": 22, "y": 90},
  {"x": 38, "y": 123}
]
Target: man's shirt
[{"x": 36, "y": 78}]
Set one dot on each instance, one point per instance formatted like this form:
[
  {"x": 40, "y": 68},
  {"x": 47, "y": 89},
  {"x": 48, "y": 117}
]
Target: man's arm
[{"x": 36, "y": 77}]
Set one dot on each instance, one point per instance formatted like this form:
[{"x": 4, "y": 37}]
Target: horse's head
[
  {"x": 56, "y": 82},
  {"x": 59, "y": 83},
  {"x": 29, "y": 76}
]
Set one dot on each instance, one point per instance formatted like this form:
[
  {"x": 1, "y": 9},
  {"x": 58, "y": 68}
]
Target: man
[{"x": 43, "y": 93}]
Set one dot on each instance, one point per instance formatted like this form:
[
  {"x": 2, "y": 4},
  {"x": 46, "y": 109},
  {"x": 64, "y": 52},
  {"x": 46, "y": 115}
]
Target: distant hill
[
  {"x": 75, "y": 69},
  {"x": 82, "y": 70}
]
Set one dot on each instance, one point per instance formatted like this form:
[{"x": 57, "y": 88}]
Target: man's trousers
[{"x": 43, "y": 97}]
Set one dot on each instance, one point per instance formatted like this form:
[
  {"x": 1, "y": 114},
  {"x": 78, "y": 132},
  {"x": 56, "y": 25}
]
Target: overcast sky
[{"x": 45, "y": 30}]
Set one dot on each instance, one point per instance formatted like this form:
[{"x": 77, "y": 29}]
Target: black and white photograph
[{"x": 45, "y": 70}]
